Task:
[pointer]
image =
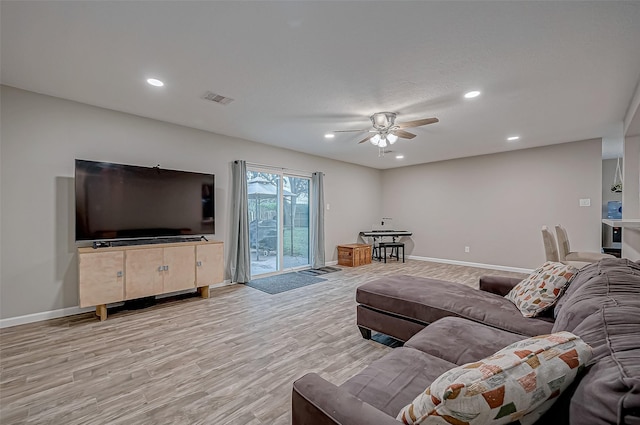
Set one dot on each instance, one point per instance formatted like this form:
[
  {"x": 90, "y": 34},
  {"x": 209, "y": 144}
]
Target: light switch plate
[{"x": 585, "y": 202}]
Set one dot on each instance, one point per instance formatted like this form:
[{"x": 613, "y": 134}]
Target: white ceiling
[{"x": 551, "y": 72}]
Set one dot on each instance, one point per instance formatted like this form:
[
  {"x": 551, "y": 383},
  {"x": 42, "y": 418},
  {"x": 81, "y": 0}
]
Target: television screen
[{"x": 116, "y": 201}]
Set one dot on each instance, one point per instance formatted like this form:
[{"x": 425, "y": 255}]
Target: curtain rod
[{"x": 254, "y": 164}]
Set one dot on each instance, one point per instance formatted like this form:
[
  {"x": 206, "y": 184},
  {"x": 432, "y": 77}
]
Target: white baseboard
[
  {"x": 45, "y": 315},
  {"x": 469, "y": 264},
  {"x": 72, "y": 311}
]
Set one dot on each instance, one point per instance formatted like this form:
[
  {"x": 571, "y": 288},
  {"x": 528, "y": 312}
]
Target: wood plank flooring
[{"x": 229, "y": 359}]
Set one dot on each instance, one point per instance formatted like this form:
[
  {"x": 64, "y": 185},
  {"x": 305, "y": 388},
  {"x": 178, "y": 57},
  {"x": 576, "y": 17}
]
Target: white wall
[
  {"x": 631, "y": 197},
  {"x": 40, "y": 138},
  {"x": 497, "y": 204}
]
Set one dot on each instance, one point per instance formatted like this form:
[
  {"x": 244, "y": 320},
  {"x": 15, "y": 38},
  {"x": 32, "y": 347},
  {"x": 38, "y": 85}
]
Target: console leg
[
  {"x": 101, "y": 312},
  {"x": 204, "y": 291},
  {"x": 366, "y": 333}
]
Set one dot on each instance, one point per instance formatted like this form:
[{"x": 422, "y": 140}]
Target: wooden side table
[{"x": 353, "y": 255}]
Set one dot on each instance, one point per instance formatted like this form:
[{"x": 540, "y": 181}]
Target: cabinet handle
[
  {"x": 119, "y": 274},
  {"x": 160, "y": 268},
  {"x": 199, "y": 263}
]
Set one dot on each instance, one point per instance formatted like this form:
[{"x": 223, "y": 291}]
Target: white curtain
[
  {"x": 317, "y": 221},
  {"x": 239, "y": 254}
]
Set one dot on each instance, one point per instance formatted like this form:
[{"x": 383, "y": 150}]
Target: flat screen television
[{"x": 116, "y": 201}]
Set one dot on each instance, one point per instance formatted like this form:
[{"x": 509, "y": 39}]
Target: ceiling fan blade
[
  {"x": 349, "y": 131},
  {"x": 417, "y": 123},
  {"x": 403, "y": 134},
  {"x": 366, "y": 139}
]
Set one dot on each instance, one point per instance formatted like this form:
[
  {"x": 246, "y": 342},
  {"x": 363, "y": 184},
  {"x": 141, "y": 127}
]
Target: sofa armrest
[
  {"x": 499, "y": 285},
  {"x": 319, "y": 402}
]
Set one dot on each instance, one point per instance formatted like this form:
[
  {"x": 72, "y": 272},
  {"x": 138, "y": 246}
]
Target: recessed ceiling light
[
  {"x": 513, "y": 138},
  {"x": 155, "y": 82},
  {"x": 399, "y": 156},
  {"x": 329, "y": 136},
  {"x": 472, "y": 94}
]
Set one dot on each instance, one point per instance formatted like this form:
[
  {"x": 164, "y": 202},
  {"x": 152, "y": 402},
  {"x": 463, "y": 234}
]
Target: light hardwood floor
[{"x": 230, "y": 359}]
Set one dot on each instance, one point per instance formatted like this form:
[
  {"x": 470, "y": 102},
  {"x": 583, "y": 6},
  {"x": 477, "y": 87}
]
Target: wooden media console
[{"x": 115, "y": 274}]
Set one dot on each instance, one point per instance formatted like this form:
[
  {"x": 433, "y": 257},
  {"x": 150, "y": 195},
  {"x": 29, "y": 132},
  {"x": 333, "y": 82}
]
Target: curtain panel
[
  {"x": 239, "y": 254},
  {"x": 317, "y": 221}
]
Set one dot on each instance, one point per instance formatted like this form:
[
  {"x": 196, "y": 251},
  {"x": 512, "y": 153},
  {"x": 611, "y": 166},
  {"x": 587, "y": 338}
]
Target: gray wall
[
  {"x": 40, "y": 138},
  {"x": 496, "y": 204}
]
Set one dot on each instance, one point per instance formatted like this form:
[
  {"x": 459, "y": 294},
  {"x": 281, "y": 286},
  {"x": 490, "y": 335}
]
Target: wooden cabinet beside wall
[{"x": 108, "y": 275}]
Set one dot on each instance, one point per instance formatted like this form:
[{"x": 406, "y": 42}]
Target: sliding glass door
[
  {"x": 278, "y": 220},
  {"x": 295, "y": 231},
  {"x": 264, "y": 217}
]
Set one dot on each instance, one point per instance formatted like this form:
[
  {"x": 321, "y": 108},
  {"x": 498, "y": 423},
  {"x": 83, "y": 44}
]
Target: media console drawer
[{"x": 353, "y": 255}]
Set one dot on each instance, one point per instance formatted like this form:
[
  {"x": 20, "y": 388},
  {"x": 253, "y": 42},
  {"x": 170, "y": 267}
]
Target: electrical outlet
[
  {"x": 586, "y": 202},
  {"x": 466, "y": 249},
  {"x": 328, "y": 206}
]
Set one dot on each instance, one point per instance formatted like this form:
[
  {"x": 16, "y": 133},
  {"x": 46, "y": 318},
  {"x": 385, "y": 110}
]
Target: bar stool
[
  {"x": 395, "y": 247},
  {"x": 565, "y": 253}
]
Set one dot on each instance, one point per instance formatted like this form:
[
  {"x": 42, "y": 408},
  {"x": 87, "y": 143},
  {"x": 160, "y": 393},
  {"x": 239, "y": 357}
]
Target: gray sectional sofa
[{"x": 447, "y": 324}]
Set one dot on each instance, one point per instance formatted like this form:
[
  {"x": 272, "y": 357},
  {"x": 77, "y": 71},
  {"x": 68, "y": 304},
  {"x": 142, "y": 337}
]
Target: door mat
[
  {"x": 283, "y": 282},
  {"x": 320, "y": 271}
]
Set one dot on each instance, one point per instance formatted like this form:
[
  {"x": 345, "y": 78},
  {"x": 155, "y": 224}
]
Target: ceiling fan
[{"x": 386, "y": 131}]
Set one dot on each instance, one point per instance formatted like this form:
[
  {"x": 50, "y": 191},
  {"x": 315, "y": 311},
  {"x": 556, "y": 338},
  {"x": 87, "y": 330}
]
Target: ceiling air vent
[{"x": 214, "y": 97}]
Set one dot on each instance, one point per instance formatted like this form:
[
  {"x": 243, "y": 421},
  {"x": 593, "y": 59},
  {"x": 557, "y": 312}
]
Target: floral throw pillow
[
  {"x": 518, "y": 383},
  {"x": 542, "y": 288}
]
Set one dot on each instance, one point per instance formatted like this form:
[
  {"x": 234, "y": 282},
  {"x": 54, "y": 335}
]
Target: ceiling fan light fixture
[
  {"x": 386, "y": 131},
  {"x": 383, "y": 120}
]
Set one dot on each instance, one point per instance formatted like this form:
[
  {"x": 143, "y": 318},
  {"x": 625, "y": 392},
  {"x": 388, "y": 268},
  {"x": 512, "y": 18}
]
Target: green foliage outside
[{"x": 300, "y": 242}]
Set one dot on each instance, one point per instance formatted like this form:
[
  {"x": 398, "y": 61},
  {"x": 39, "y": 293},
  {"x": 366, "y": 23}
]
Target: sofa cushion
[
  {"x": 602, "y": 306},
  {"x": 610, "y": 392},
  {"x": 461, "y": 341},
  {"x": 519, "y": 382},
  {"x": 610, "y": 281},
  {"x": 391, "y": 382},
  {"x": 584, "y": 275},
  {"x": 427, "y": 300},
  {"x": 542, "y": 288}
]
